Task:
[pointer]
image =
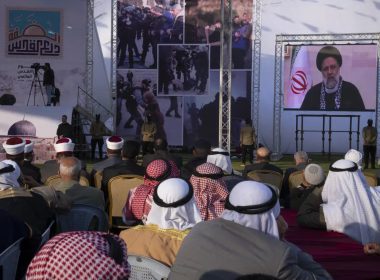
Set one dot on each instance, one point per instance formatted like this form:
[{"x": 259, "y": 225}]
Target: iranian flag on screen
[{"x": 300, "y": 78}]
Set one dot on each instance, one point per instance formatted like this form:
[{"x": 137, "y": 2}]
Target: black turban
[{"x": 325, "y": 52}]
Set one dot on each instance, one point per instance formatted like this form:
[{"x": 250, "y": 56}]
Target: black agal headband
[
  {"x": 211, "y": 176},
  {"x": 7, "y": 169},
  {"x": 349, "y": 169},
  {"x": 164, "y": 176},
  {"x": 175, "y": 204},
  {"x": 253, "y": 209}
]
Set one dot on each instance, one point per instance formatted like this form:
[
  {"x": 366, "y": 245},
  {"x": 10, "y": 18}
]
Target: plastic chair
[
  {"x": 267, "y": 176},
  {"x": 82, "y": 217},
  {"x": 144, "y": 268},
  {"x": 118, "y": 189},
  {"x": 56, "y": 179},
  {"x": 295, "y": 179},
  {"x": 46, "y": 234},
  {"x": 98, "y": 179},
  {"x": 9, "y": 261},
  {"x": 371, "y": 179}
]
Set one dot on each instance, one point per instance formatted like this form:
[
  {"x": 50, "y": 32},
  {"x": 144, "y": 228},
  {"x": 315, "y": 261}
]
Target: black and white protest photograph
[
  {"x": 183, "y": 70},
  {"x": 141, "y": 26}
]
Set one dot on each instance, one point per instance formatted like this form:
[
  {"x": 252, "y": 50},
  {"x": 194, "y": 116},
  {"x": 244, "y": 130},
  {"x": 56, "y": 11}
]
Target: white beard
[{"x": 331, "y": 84}]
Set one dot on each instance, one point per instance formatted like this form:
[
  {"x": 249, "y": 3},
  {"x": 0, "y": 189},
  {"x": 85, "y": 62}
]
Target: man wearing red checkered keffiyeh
[
  {"x": 210, "y": 191},
  {"x": 81, "y": 255},
  {"x": 140, "y": 198}
]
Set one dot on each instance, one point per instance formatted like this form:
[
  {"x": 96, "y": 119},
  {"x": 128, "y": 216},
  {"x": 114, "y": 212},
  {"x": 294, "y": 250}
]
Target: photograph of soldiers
[
  {"x": 201, "y": 114},
  {"x": 203, "y": 25},
  {"x": 137, "y": 99},
  {"x": 142, "y": 25},
  {"x": 183, "y": 70}
]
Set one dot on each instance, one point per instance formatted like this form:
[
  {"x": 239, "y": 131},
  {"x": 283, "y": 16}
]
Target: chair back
[
  {"x": 82, "y": 217},
  {"x": 295, "y": 179},
  {"x": 267, "y": 176},
  {"x": 46, "y": 234},
  {"x": 371, "y": 179},
  {"x": 147, "y": 268},
  {"x": 98, "y": 179},
  {"x": 56, "y": 179},
  {"x": 118, "y": 189},
  {"x": 9, "y": 261}
]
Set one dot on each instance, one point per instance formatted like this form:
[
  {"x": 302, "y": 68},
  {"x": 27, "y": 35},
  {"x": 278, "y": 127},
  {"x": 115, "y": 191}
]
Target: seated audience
[
  {"x": 139, "y": 199},
  {"x": 174, "y": 212},
  {"x": 301, "y": 159},
  {"x": 262, "y": 162},
  {"x": 161, "y": 151},
  {"x": 210, "y": 191},
  {"x": 69, "y": 169},
  {"x": 128, "y": 165},
  {"x": 81, "y": 255},
  {"x": 12, "y": 229},
  {"x": 313, "y": 177},
  {"x": 346, "y": 205},
  {"x": 114, "y": 146},
  {"x": 28, "y": 169},
  {"x": 200, "y": 152},
  {"x": 63, "y": 147},
  {"x": 25, "y": 206},
  {"x": 246, "y": 239},
  {"x": 221, "y": 158}
]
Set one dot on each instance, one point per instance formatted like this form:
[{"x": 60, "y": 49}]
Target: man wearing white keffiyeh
[
  {"x": 347, "y": 204},
  {"x": 245, "y": 240}
]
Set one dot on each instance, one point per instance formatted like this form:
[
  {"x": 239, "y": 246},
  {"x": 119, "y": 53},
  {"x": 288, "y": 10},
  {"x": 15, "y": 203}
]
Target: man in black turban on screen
[{"x": 332, "y": 93}]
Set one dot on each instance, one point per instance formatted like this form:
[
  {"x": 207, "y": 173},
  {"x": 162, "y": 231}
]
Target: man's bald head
[{"x": 262, "y": 154}]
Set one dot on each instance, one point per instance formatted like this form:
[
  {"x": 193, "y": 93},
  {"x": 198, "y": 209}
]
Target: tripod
[{"x": 35, "y": 83}]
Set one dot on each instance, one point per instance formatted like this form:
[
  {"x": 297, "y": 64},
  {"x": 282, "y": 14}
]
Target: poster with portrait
[
  {"x": 202, "y": 25},
  {"x": 330, "y": 77},
  {"x": 201, "y": 114},
  {"x": 183, "y": 70},
  {"x": 136, "y": 99}
]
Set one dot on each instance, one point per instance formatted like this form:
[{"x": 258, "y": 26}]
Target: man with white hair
[
  {"x": 174, "y": 212},
  {"x": 301, "y": 160},
  {"x": 347, "y": 204},
  {"x": 69, "y": 170},
  {"x": 246, "y": 239}
]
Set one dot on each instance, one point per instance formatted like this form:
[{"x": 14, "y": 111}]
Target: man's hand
[{"x": 372, "y": 248}]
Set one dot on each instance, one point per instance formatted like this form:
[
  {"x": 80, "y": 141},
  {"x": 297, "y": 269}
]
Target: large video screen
[{"x": 330, "y": 77}]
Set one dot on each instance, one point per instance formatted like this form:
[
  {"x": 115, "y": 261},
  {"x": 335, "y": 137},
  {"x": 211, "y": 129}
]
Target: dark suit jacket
[
  {"x": 30, "y": 170},
  {"x": 191, "y": 165},
  {"x": 125, "y": 167},
  {"x": 162, "y": 154},
  {"x": 221, "y": 249},
  {"x": 261, "y": 166}
]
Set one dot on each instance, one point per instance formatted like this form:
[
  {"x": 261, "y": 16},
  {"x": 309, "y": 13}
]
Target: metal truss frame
[
  {"x": 114, "y": 49},
  {"x": 308, "y": 39},
  {"x": 256, "y": 54},
  {"x": 225, "y": 75},
  {"x": 90, "y": 53}
]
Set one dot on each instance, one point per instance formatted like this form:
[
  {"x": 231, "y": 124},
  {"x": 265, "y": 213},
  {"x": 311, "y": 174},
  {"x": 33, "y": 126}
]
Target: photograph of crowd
[
  {"x": 203, "y": 25},
  {"x": 183, "y": 70},
  {"x": 141, "y": 26},
  {"x": 201, "y": 114},
  {"x": 137, "y": 104}
]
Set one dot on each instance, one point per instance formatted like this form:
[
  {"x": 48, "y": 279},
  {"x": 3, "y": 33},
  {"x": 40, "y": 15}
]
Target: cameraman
[{"x": 48, "y": 82}]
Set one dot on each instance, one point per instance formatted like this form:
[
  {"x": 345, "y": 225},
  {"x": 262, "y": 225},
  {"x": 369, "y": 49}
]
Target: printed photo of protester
[
  {"x": 203, "y": 25},
  {"x": 141, "y": 26},
  {"x": 183, "y": 70},
  {"x": 137, "y": 102}
]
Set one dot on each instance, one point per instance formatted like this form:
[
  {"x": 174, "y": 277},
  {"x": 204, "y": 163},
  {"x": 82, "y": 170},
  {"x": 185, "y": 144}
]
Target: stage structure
[{"x": 282, "y": 41}]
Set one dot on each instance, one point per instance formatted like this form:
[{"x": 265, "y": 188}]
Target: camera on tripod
[{"x": 37, "y": 66}]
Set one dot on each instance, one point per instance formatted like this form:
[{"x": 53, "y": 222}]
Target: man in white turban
[{"x": 245, "y": 240}]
